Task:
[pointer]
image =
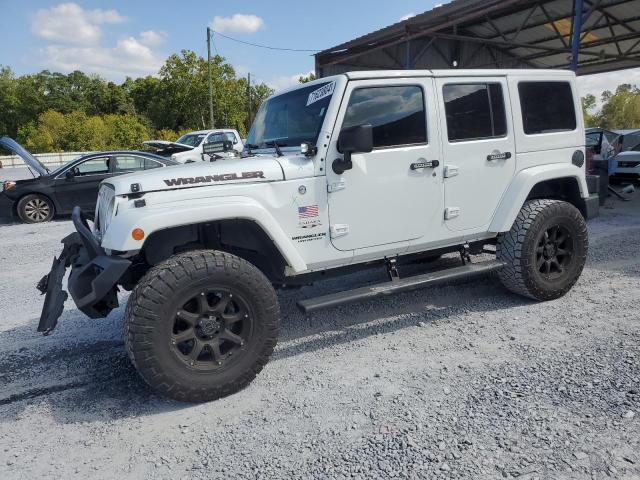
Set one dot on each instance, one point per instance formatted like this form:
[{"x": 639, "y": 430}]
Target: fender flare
[
  {"x": 522, "y": 184},
  {"x": 154, "y": 218}
]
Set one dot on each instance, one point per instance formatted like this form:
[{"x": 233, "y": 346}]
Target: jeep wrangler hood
[
  {"x": 31, "y": 161},
  {"x": 200, "y": 174}
]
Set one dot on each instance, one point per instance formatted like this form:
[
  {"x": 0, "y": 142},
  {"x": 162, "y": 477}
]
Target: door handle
[
  {"x": 425, "y": 164},
  {"x": 497, "y": 155}
]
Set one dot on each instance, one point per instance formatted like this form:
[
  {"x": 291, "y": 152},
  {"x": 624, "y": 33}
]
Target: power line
[{"x": 268, "y": 47}]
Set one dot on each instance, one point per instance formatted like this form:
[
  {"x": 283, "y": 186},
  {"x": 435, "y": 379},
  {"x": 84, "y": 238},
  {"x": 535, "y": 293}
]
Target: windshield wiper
[{"x": 276, "y": 145}]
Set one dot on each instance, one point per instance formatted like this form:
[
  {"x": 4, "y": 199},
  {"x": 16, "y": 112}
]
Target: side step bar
[{"x": 470, "y": 270}]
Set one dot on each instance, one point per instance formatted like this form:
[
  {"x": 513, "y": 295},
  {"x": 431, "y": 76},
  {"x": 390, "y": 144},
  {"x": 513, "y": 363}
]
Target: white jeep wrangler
[{"x": 361, "y": 169}]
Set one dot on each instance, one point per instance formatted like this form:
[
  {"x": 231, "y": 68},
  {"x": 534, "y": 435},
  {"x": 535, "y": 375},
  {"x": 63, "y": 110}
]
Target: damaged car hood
[
  {"x": 200, "y": 174},
  {"x": 31, "y": 161}
]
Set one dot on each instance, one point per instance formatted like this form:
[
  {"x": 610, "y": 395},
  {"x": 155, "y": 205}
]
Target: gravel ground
[{"x": 462, "y": 381}]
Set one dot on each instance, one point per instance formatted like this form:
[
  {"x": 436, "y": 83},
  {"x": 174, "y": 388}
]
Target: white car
[
  {"x": 628, "y": 164},
  {"x": 189, "y": 147},
  {"x": 348, "y": 172}
]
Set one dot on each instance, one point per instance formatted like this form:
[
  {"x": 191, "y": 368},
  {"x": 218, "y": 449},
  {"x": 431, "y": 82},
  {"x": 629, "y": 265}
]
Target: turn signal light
[{"x": 137, "y": 234}]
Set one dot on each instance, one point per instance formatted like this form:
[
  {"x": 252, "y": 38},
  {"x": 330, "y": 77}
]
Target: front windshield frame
[{"x": 278, "y": 117}]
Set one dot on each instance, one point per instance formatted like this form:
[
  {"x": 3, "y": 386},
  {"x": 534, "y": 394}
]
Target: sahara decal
[
  {"x": 309, "y": 238},
  {"x": 175, "y": 182},
  {"x": 308, "y": 216}
]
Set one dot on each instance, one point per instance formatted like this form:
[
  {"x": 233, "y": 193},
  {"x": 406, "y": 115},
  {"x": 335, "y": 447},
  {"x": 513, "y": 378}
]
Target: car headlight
[{"x": 8, "y": 185}]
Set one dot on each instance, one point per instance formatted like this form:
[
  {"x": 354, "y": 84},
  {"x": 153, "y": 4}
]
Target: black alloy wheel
[{"x": 210, "y": 328}]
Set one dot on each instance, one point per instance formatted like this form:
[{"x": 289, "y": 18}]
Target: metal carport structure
[{"x": 500, "y": 34}]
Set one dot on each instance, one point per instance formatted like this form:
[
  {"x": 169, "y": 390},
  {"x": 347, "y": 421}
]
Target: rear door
[
  {"x": 390, "y": 195},
  {"x": 478, "y": 148}
]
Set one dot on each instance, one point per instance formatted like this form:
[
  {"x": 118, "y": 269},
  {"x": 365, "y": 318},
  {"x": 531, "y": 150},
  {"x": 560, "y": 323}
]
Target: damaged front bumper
[{"x": 92, "y": 282}]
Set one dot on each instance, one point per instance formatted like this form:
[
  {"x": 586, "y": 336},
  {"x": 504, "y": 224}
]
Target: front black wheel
[
  {"x": 201, "y": 325},
  {"x": 35, "y": 208},
  {"x": 545, "y": 250}
]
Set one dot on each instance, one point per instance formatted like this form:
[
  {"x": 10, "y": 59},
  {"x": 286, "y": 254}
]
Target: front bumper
[
  {"x": 6, "y": 206},
  {"x": 92, "y": 282}
]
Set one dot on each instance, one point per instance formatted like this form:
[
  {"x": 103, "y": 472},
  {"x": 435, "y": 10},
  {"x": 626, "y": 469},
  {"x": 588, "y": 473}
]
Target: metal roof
[{"x": 502, "y": 33}]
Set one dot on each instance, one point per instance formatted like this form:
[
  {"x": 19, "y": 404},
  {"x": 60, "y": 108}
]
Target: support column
[
  {"x": 407, "y": 59},
  {"x": 575, "y": 36}
]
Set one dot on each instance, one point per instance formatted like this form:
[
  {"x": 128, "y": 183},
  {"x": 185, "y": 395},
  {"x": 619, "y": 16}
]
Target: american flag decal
[{"x": 309, "y": 211}]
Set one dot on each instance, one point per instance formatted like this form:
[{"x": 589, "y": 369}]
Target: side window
[
  {"x": 547, "y": 107},
  {"x": 474, "y": 111},
  {"x": 128, "y": 163},
  {"x": 95, "y": 166},
  {"x": 397, "y": 114},
  {"x": 215, "y": 137},
  {"x": 149, "y": 164}
]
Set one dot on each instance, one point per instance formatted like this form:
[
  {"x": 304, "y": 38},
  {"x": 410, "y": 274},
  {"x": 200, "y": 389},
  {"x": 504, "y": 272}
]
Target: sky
[{"x": 122, "y": 38}]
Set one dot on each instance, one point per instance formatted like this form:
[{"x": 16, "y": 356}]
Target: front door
[
  {"x": 478, "y": 148},
  {"x": 392, "y": 194},
  {"x": 81, "y": 189}
]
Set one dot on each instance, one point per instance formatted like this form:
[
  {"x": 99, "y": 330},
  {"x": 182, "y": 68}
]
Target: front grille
[
  {"x": 104, "y": 209},
  {"x": 628, "y": 164}
]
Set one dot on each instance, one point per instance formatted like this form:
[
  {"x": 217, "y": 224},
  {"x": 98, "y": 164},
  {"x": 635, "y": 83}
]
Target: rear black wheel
[
  {"x": 201, "y": 325},
  {"x": 545, "y": 250},
  {"x": 35, "y": 208}
]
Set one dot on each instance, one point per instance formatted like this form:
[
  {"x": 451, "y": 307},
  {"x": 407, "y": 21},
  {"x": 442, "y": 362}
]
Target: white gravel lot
[{"x": 463, "y": 381}]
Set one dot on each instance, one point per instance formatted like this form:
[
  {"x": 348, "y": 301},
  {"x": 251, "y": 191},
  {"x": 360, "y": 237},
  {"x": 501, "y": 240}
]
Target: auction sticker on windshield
[{"x": 322, "y": 92}]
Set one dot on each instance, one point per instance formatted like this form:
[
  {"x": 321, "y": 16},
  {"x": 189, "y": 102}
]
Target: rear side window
[
  {"x": 474, "y": 111},
  {"x": 397, "y": 114},
  {"x": 547, "y": 107}
]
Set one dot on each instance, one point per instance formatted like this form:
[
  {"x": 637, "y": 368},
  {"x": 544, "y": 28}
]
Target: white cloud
[
  {"x": 407, "y": 16},
  {"x": 284, "y": 82},
  {"x": 152, "y": 38},
  {"x": 69, "y": 23},
  {"x": 237, "y": 23},
  {"x": 598, "y": 83},
  {"x": 128, "y": 57}
]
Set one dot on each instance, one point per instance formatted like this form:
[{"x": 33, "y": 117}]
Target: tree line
[
  {"x": 619, "y": 110},
  {"x": 53, "y": 112}
]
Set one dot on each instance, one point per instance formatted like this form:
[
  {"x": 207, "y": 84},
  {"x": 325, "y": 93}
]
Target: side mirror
[
  {"x": 358, "y": 139},
  {"x": 70, "y": 174}
]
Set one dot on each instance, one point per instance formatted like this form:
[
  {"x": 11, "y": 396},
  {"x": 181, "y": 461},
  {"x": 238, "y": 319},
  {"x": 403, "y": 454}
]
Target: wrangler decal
[{"x": 176, "y": 182}]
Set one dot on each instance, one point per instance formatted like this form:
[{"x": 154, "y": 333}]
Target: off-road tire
[
  {"x": 35, "y": 208},
  {"x": 150, "y": 315},
  {"x": 520, "y": 249}
]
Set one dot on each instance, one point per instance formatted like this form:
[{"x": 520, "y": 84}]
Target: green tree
[
  {"x": 620, "y": 109},
  {"x": 588, "y": 105},
  {"x": 309, "y": 78},
  {"x": 124, "y": 132},
  {"x": 8, "y": 102}
]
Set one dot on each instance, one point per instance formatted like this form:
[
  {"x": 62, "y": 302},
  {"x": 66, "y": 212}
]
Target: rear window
[
  {"x": 474, "y": 111},
  {"x": 547, "y": 107}
]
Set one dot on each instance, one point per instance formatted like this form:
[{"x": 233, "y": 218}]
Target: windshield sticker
[{"x": 321, "y": 93}]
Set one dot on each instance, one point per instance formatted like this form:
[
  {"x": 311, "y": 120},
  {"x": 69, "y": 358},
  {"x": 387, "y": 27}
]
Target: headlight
[{"x": 8, "y": 185}]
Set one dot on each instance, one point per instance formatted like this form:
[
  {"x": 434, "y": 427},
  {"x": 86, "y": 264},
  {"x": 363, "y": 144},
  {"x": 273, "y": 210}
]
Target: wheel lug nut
[
  {"x": 192, "y": 363},
  {"x": 219, "y": 362}
]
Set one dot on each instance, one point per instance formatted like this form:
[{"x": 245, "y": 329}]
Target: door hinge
[
  {"x": 451, "y": 171},
  {"x": 339, "y": 229},
  {"x": 451, "y": 212},
  {"x": 334, "y": 187}
]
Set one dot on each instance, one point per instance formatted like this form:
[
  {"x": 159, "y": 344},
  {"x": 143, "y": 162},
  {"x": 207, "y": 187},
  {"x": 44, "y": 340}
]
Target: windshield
[
  {"x": 191, "y": 139},
  {"x": 291, "y": 118}
]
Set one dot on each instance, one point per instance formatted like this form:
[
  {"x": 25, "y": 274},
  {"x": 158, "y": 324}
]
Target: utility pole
[
  {"x": 249, "y": 98},
  {"x": 213, "y": 125}
]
